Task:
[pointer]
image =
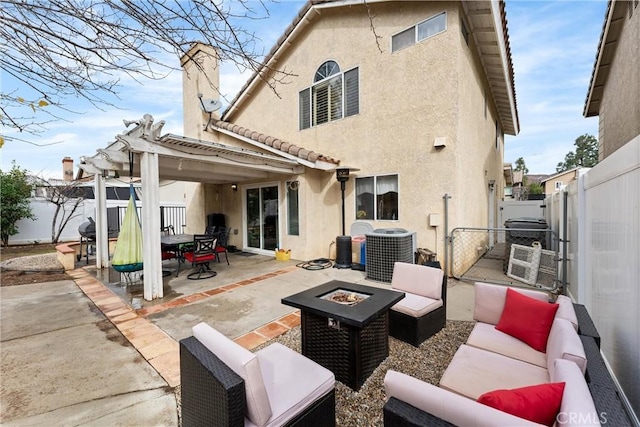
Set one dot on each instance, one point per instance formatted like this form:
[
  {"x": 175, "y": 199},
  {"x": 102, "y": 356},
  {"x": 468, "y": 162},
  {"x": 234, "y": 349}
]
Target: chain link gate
[{"x": 518, "y": 257}]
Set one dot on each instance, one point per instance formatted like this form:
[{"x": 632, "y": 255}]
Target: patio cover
[{"x": 177, "y": 158}]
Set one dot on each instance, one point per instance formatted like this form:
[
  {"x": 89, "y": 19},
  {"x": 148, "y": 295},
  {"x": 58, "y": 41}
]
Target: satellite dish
[{"x": 209, "y": 105}]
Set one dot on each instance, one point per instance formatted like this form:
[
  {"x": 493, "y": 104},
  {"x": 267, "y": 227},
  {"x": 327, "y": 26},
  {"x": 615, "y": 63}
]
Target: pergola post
[
  {"x": 152, "y": 258},
  {"x": 102, "y": 227}
]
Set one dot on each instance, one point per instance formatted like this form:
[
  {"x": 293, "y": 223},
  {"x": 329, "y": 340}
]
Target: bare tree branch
[
  {"x": 372, "y": 26},
  {"x": 61, "y": 49}
]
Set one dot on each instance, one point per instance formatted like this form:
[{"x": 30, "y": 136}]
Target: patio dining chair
[
  {"x": 203, "y": 252},
  {"x": 169, "y": 252},
  {"x": 221, "y": 246}
]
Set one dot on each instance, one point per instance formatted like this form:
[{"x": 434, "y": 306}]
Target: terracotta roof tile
[{"x": 276, "y": 143}]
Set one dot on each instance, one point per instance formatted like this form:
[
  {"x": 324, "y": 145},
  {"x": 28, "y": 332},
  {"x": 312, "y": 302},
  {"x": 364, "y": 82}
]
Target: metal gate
[{"x": 526, "y": 257}]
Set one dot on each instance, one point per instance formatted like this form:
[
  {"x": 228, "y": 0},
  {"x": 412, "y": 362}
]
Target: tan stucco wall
[
  {"x": 196, "y": 81},
  {"x": 620, "y": 107},
  {"x": 478, "y": 159},
  {"x": 565, "y": 178},
  {"x": 408, "y": 98}
]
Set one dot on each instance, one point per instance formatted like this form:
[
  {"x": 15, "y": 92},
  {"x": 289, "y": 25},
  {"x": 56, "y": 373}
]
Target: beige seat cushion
[
  {"x": 490, "y": 299},
  {"x": 487, "y": 337},
  {"x": 445, "y": 405},
  {"x": 292, "y": 381},
  {"x": 245, "y": 364},
  {"x": 474, "y": 371},
  {"x": 416, "y": 305},
  {"x": 417, "y": 279}
]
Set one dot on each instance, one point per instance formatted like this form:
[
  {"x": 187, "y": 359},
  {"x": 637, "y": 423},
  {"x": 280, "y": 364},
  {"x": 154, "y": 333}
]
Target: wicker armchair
[
  {"x": 423, "y": 311},
  {"x": 214, "y": 394}
]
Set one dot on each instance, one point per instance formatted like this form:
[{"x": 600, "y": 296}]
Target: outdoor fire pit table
[{"x": 345, "y": 327}]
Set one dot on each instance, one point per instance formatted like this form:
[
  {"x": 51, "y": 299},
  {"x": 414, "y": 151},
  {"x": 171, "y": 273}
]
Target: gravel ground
[
  {"x": 31, "y": 269},
  {"x": 32, "y": 263}
]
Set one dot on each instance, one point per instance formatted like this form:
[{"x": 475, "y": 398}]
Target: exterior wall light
[{"x": 234, "y": 188}]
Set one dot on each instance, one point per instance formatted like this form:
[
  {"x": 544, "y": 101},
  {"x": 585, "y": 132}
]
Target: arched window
[
  {"x": 327, "y": 69},
  {"x": 333, "y": 95}
]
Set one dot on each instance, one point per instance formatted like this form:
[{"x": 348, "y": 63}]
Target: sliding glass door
[{"x": 261, "y": 207}]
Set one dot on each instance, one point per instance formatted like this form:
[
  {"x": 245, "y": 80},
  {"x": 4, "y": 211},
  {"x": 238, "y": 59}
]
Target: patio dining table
[{"x": 172, "y": 243}]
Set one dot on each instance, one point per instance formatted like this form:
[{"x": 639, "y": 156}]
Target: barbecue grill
[{"x": 87, "y": 232}]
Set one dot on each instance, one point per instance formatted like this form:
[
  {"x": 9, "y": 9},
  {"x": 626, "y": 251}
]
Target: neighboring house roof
[
  {"x": 270, "y": 141},
  {"x": 493, "y": 48},
  {"x": 611, "y": 29},
  {"x": 535, "y": 178},
  {"x": 550, "y": 177}
]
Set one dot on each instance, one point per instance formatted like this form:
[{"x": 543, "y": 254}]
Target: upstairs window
[
  {"x": 334, "y": 95},
  {"x": 421, "y": 31}
]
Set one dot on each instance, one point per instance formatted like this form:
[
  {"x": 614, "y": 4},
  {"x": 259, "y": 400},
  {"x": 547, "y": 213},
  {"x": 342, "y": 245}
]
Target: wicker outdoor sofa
[
  {"x": 273, "y": 387},
  {"x": 443, "y": 406}
]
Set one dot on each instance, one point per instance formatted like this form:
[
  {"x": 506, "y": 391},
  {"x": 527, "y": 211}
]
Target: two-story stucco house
[{"x": 416, "y": 108}]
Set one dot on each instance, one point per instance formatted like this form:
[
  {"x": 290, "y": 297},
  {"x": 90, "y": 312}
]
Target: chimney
[
  {"x": 200, "y": 89},
  {"x": 67, "y": 169}
]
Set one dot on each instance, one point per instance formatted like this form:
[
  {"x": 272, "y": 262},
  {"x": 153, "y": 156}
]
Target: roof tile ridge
[{"x": 278, "y": 144}]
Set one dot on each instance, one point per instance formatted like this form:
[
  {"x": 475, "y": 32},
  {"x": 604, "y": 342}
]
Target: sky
[{"x": 553, "y": 48}]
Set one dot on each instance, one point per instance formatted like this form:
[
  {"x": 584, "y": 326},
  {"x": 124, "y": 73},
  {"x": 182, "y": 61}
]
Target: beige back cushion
[
  {"x": 490, "y": 299},
  {"x": 417, "y": 279},
  {"x": 447, "y": 405},
  {"x": 577, "y": 408},
  {"x": 564, "y": 343},
  {"x": 242, "y": 362},
  {"x": 566, "y": 310}
]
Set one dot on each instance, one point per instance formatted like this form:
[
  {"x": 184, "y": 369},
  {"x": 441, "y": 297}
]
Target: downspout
[
  {"x": 446, "y": 198},
  {"x": 565, "y": 222}
]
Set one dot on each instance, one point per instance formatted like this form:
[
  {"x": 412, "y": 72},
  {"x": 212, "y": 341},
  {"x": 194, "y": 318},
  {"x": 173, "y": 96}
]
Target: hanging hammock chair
[{"x": 128, "y": 254}]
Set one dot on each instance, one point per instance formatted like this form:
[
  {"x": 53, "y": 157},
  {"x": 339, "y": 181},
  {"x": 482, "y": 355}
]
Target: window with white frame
[
  {"x": 377, "y": 197},
  {"x": 559, "y": 185},
  {"x": 421, "y": 31},
  {"x": 332, "y": 96}
]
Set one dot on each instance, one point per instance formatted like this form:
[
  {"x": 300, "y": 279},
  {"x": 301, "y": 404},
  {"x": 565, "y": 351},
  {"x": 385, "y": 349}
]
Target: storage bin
[{"x": 283, "y": 256}]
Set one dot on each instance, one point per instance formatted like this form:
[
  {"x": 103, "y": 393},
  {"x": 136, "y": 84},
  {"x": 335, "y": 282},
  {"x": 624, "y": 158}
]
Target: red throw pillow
[
  {"x": 537, "y": 403},
  {"x": 527, "y": 319}
]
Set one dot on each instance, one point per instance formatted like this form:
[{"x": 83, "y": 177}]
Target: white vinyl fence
[
  {"x": 39, "y": 231},
  {"x": 603, "y": 224}
]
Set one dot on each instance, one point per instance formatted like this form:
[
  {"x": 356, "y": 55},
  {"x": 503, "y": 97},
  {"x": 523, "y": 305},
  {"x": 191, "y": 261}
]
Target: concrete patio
[{"x": 112, "y": 357}]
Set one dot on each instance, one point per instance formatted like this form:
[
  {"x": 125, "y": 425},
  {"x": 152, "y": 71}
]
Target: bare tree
[
  {"x": 67, "y": 196},
  {"x": 67, "y": 48}
]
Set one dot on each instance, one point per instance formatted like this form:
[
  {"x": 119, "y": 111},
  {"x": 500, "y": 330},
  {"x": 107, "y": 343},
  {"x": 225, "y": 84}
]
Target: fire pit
[{"x": 344, "y": 296}]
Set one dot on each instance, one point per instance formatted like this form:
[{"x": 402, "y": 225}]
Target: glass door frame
[{"x": 245, "y": 236}]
